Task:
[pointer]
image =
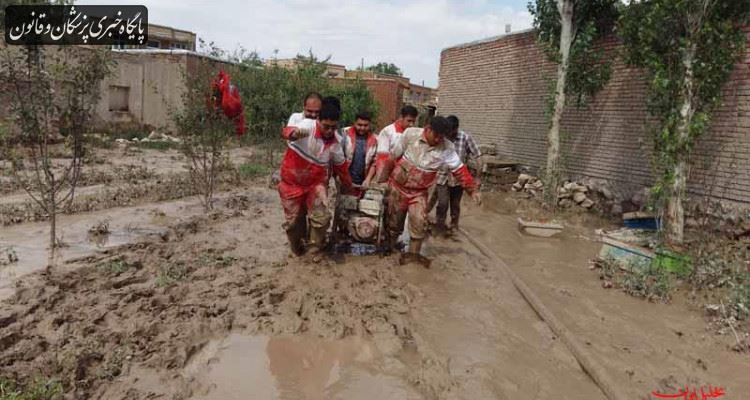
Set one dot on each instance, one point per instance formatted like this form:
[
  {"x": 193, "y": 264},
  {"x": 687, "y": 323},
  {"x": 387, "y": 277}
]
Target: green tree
[
  {"x": 52, "y": 94},
  {"x": 355, "y": 96},
  {"x": 205, "y": 129},
  {"x": 271, "y": 94},
  {"x": 568, "y": 31},
  {"x": 688, "y": 48},
  {"x": 385, "y": 68}
]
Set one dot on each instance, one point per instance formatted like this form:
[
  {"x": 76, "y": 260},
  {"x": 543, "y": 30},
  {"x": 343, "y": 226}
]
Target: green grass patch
[
  {"x": 171, "y": 274},
  {"x": 114, "y": 267},
  {"x": 251, "y": 170},
  {"x": 159, "y": 145},
  {"x": 216, "y": 261},
  {"x": 40, "y": 389},
  {"x": 651, "y": 283}
]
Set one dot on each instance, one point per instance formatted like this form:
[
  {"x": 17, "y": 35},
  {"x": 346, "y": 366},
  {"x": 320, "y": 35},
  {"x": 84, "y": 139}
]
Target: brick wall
[
  {"x": 498, "y": 89},
  {"x": 389, "y": 95}
]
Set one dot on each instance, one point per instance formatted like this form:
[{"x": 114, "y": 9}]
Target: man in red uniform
[
  {"x": 418, "y": 157},
  {"x": 312, "y": 149},
  {"x": 390, "y": 135}
]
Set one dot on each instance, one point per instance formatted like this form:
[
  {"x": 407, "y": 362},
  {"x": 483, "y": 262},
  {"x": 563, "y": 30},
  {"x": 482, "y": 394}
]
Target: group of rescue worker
[{"x": 405, "y": 160}]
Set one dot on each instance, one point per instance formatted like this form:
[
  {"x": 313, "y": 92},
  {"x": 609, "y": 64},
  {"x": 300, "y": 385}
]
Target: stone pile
[
  {"x": 154, "y": 136},
  {"x": 570, "y": 194}
]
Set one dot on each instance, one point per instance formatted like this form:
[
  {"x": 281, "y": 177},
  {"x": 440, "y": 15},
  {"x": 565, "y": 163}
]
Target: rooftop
[{"x": 487, "y": 40}]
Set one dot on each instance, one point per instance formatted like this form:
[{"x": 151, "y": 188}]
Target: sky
[{"x": 408, "y": 33}]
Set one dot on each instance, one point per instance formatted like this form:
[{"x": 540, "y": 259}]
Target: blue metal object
[
  {"x": 650, "y": 223},
  {"x": 362, "y": 249}
]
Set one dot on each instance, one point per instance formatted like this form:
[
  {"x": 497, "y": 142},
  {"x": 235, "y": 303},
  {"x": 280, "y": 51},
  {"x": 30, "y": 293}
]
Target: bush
[{"x": 271, "y": 94}]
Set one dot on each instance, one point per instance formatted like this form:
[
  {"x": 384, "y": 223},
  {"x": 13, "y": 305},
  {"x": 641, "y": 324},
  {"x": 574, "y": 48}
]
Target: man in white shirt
[
  {"x": 389, "y": 136},
  {"x": 310, "y": 109},
  {"x": 415, "y": 162}
]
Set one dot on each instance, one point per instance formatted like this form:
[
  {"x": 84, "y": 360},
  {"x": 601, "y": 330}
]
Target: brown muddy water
[
  {"x": 126, "y": 225},
  {"x": 294, "y": 367}
]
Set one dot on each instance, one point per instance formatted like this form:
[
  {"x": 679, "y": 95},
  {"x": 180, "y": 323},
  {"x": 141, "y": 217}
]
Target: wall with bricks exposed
[
  {"x": 498, "y": 88},
  {"x": 389, "y": 95}
]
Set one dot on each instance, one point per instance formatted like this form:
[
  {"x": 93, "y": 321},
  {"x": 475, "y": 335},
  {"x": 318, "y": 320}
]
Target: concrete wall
[
  {"x": 498, "y": 88},
  {"x": 154, "y": 81}
]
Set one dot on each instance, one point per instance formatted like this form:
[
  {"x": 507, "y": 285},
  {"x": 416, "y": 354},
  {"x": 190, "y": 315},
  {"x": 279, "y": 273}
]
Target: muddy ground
[{"x": 174, "y": 303}]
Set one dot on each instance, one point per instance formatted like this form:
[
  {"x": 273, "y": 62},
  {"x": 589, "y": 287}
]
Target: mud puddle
[
  {"x": 293, "y": 367},
  {"x": 125, "y": 225}
]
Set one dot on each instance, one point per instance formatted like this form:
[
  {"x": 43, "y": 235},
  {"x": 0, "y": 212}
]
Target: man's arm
[
  {"x": 398, "y": 148},
  {"x": 461, "y": 172},
  {"x": 370, "y": 175},
  {"x": 299, "y": 130},
  {"x": 341, "y": 166},
  {"x": 475, "y": 154},
  {"x": 382, "y": 155}
]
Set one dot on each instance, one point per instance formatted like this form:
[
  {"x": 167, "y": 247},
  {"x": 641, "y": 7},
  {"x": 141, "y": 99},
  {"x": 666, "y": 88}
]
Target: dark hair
[
  {"x": 329, "y": 111},
  {"x": 410, "y": 111},
  {"x": 453, "y": 120},
  {"x": 312, "y": 95},
  {"x": 439, "y": 125},
  {"x": 331, "y": 100},
  {"x": 364, "y": 115}
]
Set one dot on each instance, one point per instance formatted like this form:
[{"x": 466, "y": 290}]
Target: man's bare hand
[
  {"x": 477, "y": 197},
  {"x": 299, "y": 133}
]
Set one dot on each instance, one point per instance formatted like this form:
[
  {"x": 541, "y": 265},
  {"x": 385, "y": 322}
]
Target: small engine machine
[{"x": 358, "y": 223}]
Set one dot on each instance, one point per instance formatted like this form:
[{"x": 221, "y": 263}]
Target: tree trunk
[
  {"x": 675, "y": 213},
  {"x": 552, "y": 172},
  {"x": 52, "y": 228}
]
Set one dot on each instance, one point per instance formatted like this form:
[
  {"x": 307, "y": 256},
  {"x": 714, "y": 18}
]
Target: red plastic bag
[{"x": 229, "y": 100}]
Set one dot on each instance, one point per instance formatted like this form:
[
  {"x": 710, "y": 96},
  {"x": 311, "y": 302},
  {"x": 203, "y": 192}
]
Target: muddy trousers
[
  {"x": 305, "y": 206},
  {"x": 400, "y": 206},
  {"x": 447, "y": 197}
]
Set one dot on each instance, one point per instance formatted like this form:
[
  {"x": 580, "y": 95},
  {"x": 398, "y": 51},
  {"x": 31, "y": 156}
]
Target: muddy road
[{"x": 209, "y": 306}]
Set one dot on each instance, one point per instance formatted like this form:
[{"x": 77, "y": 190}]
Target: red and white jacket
[
  {"x": 307, "y": 160},
  {"x": 387, "y": 138},
  {"x": 348, "y": 141},
  {"x": 418, "y": 163}
]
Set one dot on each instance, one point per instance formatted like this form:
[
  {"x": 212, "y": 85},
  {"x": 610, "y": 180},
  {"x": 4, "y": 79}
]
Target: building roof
[
  {"x": 171, "y": 28},
  {"x": 171, "y": 52},
  {"x": 487, "y": 40}
]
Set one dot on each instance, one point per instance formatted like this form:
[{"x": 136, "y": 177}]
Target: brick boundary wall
[{"x": 497, "y": 87}]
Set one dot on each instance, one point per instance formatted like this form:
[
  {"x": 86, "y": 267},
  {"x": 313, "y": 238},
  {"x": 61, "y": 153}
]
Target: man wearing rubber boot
[
  {"x": 448, "y": 192},
  {"x": 415, "y": 162},
  {"x": 312, "y": 149}
]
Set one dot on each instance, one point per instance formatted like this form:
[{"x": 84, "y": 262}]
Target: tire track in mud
[
  {"x": 483, "y": 340},
  {"x": 589, "y": 365}
]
